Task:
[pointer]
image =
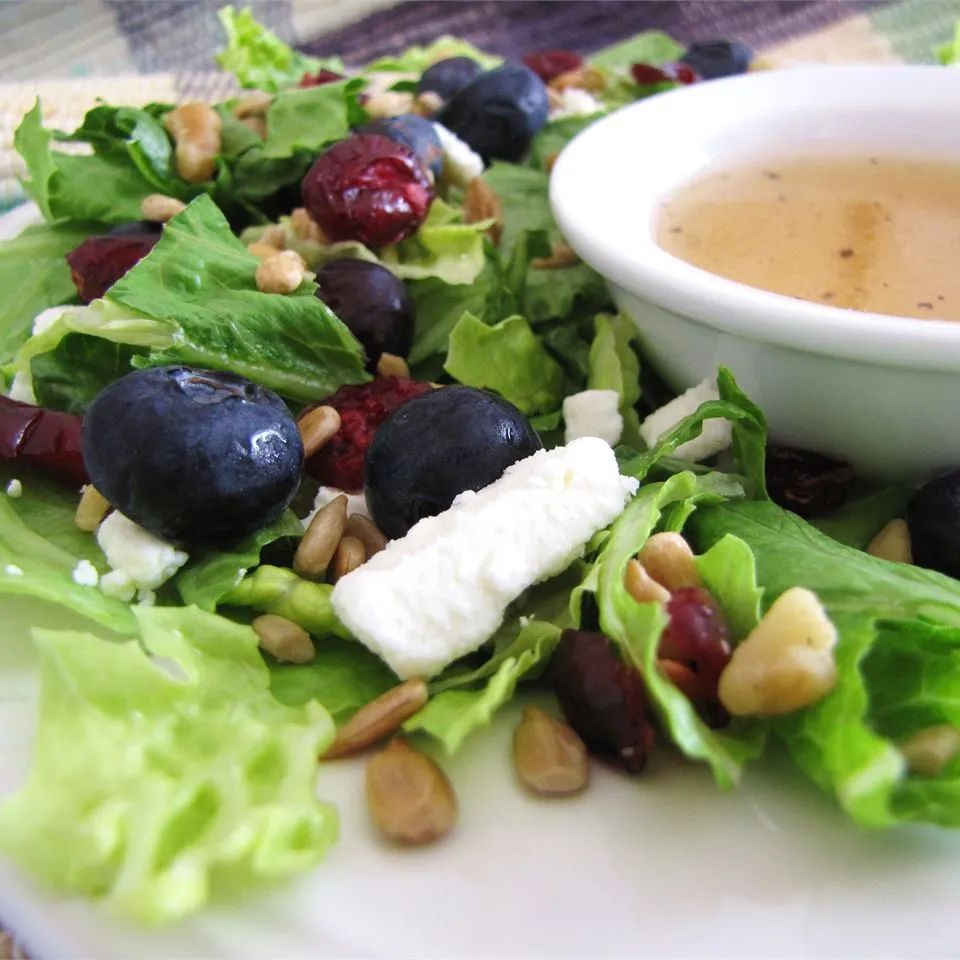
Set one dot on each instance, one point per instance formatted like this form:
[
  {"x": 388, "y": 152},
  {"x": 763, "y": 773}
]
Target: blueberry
[
  {"x": 446, "y": 78},
  {"x": 373, "y": 304},
  {"x": 437, "y": 445},
  {"x": 192, "y": 455},
  {"x": 414, "y": 132},
  {"x": 933, "y": 519},
  {"x": 719, "y": 58},
  {"x": 498, "y": 114}
]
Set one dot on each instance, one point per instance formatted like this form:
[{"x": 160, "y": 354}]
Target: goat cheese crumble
[
  {"x": 593, "y": 413},
  {"x": 85, "y": 574},
  {"x": 14, "y": 488},
  {"x": 461, "y": 163},
  {"x": 716, "y": 433},
  {"x": 139, "y": 560},
  {"x": 575, "y": 102}
]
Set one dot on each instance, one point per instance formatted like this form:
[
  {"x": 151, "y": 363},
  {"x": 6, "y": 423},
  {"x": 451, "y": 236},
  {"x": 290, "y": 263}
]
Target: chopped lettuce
[
  {"x": 613, "y": 364},
  {"x": 194, "y": 300},
  {"x": 555, "y": 136},
  {"x": 949, "y": 53},
  {"x": 416, "y": 59},
  {"x": 164, "y": 772},
  {"x": 309, "y": 118},
  {"x": 652, "y": 46}
]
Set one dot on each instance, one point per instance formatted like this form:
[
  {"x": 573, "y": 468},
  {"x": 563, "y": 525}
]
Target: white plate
[{"x": 663, "y": 865}]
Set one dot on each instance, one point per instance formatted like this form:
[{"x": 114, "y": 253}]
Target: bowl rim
[{"x": 649, "y": 272}]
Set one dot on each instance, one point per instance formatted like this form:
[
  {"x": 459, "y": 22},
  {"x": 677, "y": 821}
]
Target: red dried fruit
[
  {"x": 367, "y": 188},
  {"x": 319, "y": 78},
  {"x": 547, "y": 64},
  {"x": 42, "y": 438},
  {"x": 99, "y": 262},
  {"x": 603, "y": 699},
  {"x": 362, "y": 408},
  {"x": 696, "y": 638},
  {"x": 647, "y": 75},
  {"x": 805, "y": 482}
]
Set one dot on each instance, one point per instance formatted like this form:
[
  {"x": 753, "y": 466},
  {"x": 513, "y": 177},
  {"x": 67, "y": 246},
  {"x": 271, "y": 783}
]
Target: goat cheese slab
[
  {"x": 593, "y": 413},
  {"x": 441, "y": 591},
  {"x": 138, "y": 558},
  {"x": 714, "y": 437},
  {"x": 461, "y": 163}
]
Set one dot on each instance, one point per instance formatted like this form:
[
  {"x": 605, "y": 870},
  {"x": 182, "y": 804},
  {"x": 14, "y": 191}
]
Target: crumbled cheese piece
[
  {"x": 441, "y": 591},
  {"x": 147, "y": 598},
  {"x": 14, "y": 488},
  {"x": 21, "y": 389},
  {"x": 12, "y": 570},
  {"x": 461, "y": 163},
  {"x": 118, "y": 585},
  {"x": 716, "y": 433},
  {"x": 356, "y": 503},
  {"x": 574, "y": 102},
  {"x": 593, "y": 413},
  {"x": 85, "y": 574},
  {"x": 145, "y": 560}
]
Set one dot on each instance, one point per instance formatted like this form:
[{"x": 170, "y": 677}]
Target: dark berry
[
  {"x": 499, "y": 112},
  {"x": 192, "y": 455},
  {"x": 697, "y": 638},
  {"x": 603, "y": 699},
  {"x": 48, "y": 439},
  {"x": 805, "y": 482},
  {"x": 416, "y": 133},
  {"x": 647, "y": 75},
  {"x": 319, "y": 78},
  {"x": 446, "y": 78},
  {"x": 719, "y": 58},
  {"x": 367, "y": 188},
  {"x": 99, "y": 262},
  {"x": 362, "y": 409},
  {"x": 548, "y": 64},
  {"x": 437, "y": 446},
  {"x": 933, "y": 519},
  {"x": 372, "y": 302}
]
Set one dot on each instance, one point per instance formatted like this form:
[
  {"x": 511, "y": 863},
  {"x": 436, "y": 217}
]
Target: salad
[{"x": 331, "y": 444}]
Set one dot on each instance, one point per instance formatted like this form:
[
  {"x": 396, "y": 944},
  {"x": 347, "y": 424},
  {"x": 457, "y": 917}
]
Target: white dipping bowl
[{"x": 878, "y": 391}]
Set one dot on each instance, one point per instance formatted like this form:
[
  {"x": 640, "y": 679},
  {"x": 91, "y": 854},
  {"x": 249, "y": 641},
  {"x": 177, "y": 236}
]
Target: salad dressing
[{"x": 873, "y": 233}]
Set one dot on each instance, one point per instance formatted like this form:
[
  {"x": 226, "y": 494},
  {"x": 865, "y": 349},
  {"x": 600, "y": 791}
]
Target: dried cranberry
[
  {"x": 697, "y": 638},
  {"x": 548, "y": 64},
  {"x": 647, "y": 75},
  {"x": 603, "y": 699},
  {"x": 319, "y": 78},
  {"x": 42, "y": 438},
  {"x": 806, "y": 483},
  {"x": 99, "y": 262},
  {"x": 362, "y": 408},
  {"x": 368, "y": 188}
]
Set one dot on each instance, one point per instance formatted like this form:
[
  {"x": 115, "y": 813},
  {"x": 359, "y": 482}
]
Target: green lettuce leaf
[
  {"x": 555, "y": 136},
  {"x": 259, "y": 58},
  {"x": 652, "y": 46},
  {"x": 309, "y": 118},
  {"x": 416, "y": 59},
  {"x": 865, "y": 514},
  {"x": 508, "y": 358},
  {"x": 949, "y": 53},
  {"x": 154, "y": 787},
  {"x": 614, "y": 365},
  {"x": 194, "y": 300}
]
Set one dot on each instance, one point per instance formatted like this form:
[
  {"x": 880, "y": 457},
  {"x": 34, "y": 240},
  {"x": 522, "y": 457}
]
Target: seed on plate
[
  {"x": 275, "y": 236},
  {"x": 641, "y": 586},
  {"x": 284, "y": 639},
  {"x": 390, "y": 365},
  {"x": 892, "y": 543},
  {"x": 379, "y": 718},
  {"x": 480, "y": 202},
  {"x": 305, "y": 227},
  {"x": 668, "y": 558},
  {"x": 91, "y": 510},
  {"x": 261, "y": 250},
  {"x": 160, "y": 208},
  {"x": 549, "y": 756},
  {"x": 410, "y": 798},
  {"x": 195, "y": 128},
  {"x": 563, "y": 255},
  {"x": 253, "y": 103},
  {"x": 282, "y": 273},
  {"x": 367, "y": 532},
  {"x": 319, "y": 543},
  {"x": 316, "y": 428},
  {"x": 350, "y": 555},
  {"x": 928, "y": 751}
]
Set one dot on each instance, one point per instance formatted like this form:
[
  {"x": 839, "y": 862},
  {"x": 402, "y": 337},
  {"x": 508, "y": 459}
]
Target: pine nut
[
  {"x": 583, "y": 78},
  {"x": 549, "y": 756},
  {"x": 91, "y": 510},
  {"x": 261, "y": 250},
  {"x": 786, "y": 661},
  {"x": 367, "y": 532},
  {"x": 281, "y": 273},
  {"x": 669, "y": 560},
  {"x": 641, "y": 586},
  {"x": 321, "y": 539},
  {"x": 892, "y": 543},
  {"x": 379, "y": 718},
  {"x": 195, "y": 128},
  {"x": 350, "y": 555},
  {"x": 390, "y": 103},
  {"x": 284, "y": 639},
  {"x": 305, "y": 227},
  {"x": 160, "y": 208},
  {"x": 317, "y": 427},
  {"x": 253, "y": 103},
  {"x": 390, "y": 365},
  {"x": 928, "y": 751},
  {"x": 427, "y": 103},
  {"x": 275, "y": 236},
  {"x": 409, "y": 796},
  {"x": 480, "y": 202}
]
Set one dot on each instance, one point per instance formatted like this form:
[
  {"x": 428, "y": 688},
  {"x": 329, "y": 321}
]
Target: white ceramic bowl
[{"x": 881, "y": 392}]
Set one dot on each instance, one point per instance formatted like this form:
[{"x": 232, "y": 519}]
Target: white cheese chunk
[
  {"x": 143, "y": 560},
  {"x": 118, "y": 585},
  {"x": 21, "y": 389},
  {"x": 356, "y": 503},
  {"x": 14, "y": 488},
  {"x": 461, "y": 163},
  {"x": 85, "y": 574},
  {"x": 575, "y": 102},
  {"x": 441, "y": 591},
  {"x": 593, "y": 413},
  {"x": 716, "y": 433}
]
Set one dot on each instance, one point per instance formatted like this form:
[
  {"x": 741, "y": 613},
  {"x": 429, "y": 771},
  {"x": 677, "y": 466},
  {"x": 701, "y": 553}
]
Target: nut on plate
[
  {"x": 321, "y": 539},
  {"x": 282, "y": 272},
  {"x": 892, "y": 543},
  {"x": 929, "y": 750},
  {"x": 91, "y": 510},
  {"x": 350, "y": 555},
  {"x": 379, "y": 718},
  {"x": 160, "y": 208},
  {"x": 283, "y": 638},
  {"x": 668, "y": 559},
  {"x": 195, "y": 128},
  {"x": 641, "y": 586},
  {"x": 317, "y": 427},
  {"x": 550, "y": 758}
]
